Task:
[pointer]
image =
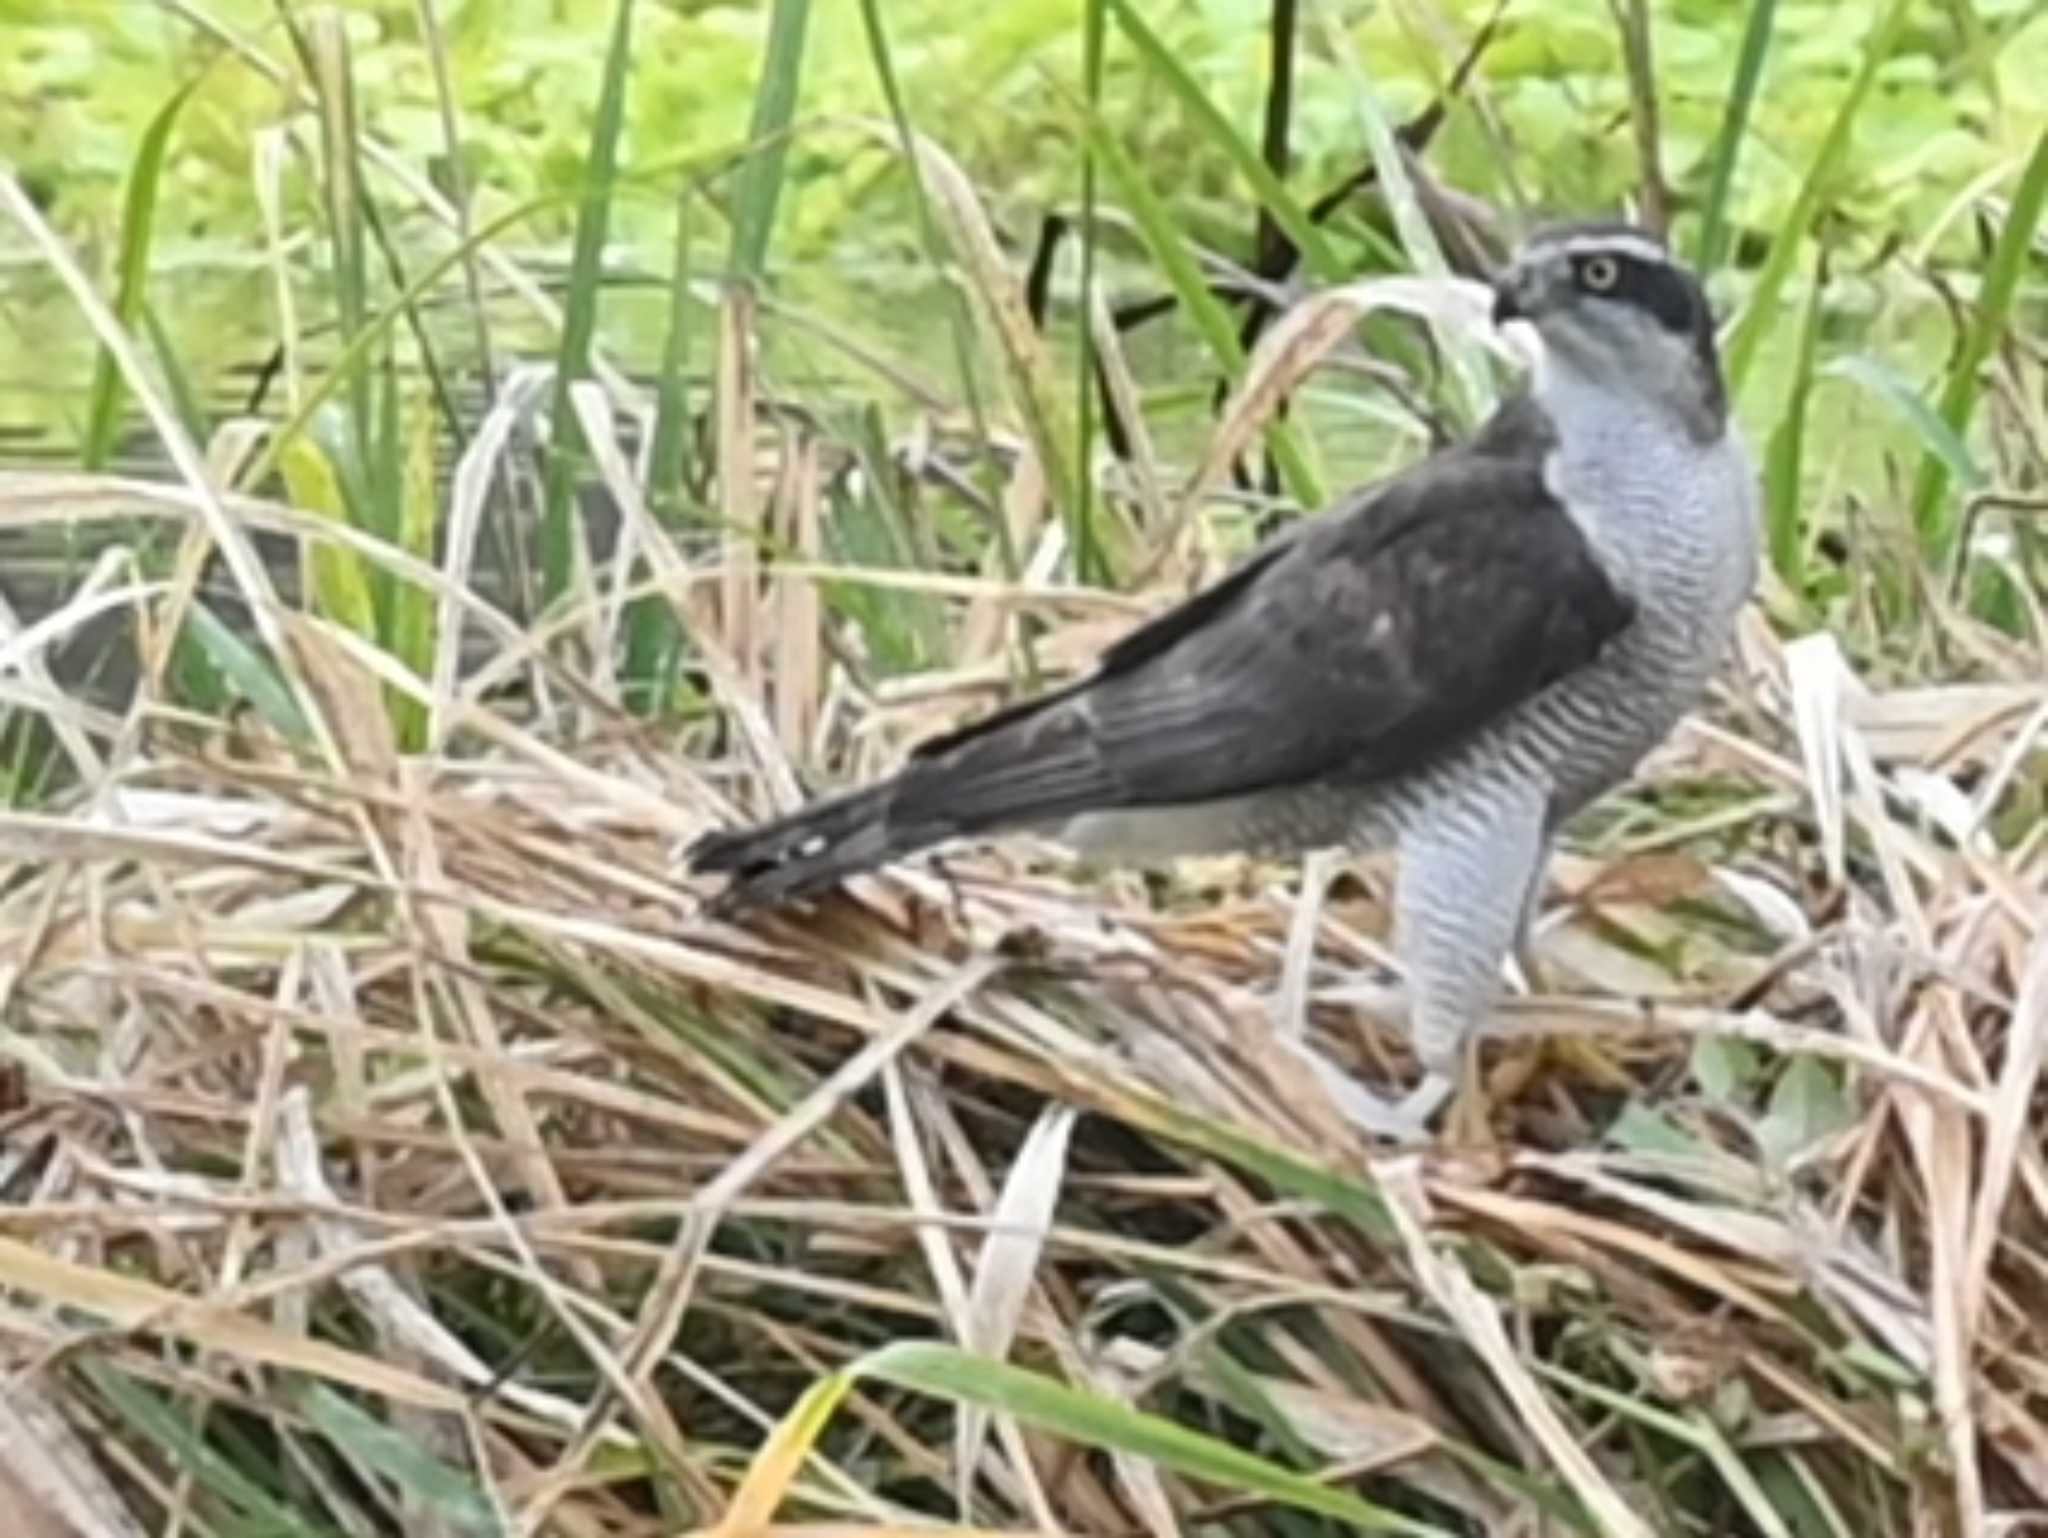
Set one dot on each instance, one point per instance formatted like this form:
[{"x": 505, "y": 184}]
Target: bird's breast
[{"x": 1675, "y": 528}]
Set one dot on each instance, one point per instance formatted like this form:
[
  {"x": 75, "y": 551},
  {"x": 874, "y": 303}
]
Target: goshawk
[{"x": 1454, "y": 661}]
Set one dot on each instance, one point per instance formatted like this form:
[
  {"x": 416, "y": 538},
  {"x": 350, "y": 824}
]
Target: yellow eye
[{"x": 1600, "y": 273}]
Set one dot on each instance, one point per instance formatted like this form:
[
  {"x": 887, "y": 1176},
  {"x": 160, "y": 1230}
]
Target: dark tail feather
[
  {"x": 799, "y": 854},
  {"x": 1021, "y": 767}
]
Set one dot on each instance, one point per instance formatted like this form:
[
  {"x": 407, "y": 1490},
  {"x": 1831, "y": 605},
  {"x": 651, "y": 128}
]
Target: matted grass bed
[
  {"x": 397, "y": 1137},
  {"x": 391, "y": 1145}
]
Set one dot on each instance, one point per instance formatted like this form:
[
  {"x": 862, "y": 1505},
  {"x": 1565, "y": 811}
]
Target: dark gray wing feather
[{"x": 1353, "y": 649}]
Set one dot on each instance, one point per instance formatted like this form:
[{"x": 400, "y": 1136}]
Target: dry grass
[
  {"x": 425, "y": 1076},
  {"x": 417, "y": 1084}
]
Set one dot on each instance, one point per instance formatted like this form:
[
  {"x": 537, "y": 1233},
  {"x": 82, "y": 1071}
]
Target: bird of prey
[{"x": 1453, "y": 661}]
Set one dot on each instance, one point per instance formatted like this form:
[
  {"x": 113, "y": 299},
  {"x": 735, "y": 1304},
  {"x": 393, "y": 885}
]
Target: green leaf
[
  {"x": 1896, "y": 391},
  {"x": 178, "y": 387},
  {"x": 669, "y": 458},
  {"x": 192, "y": 1453},
  {"x": 1102, "y": 1422},
  {"x": 436, "y": 1489},
  {"x": 1807, "y": 1105},
  {"x": 1090, "y": 564},
  {"x": 1642, "y": 1130},
  {"x": 332, "y": 76},
  {"x": 1221, "y": 132},
  {"x": 655, "y": 635},
  {"x": 1724, "y": 1066},
  {"x": 339, "y": 585},
  {"x": 248, "y": 672}
]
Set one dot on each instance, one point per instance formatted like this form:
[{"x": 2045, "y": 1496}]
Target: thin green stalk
[
  {"x": 1089, "y": 564},
  {"x": 334, "y": 85},
  {"x": 654, "y": 636},
  {"x": 1712, "y": 249},
  {"x": 759, "y": 185},
  {"x": 1785, "y": 458},
  {"x": 579, "y": 310},
  {"x": 669, "y": 463}
]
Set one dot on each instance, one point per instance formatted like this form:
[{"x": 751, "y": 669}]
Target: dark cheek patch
[{"x": 1663, "y": 291}]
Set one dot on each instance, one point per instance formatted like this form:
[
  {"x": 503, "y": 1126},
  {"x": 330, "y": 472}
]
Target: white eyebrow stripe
[{"x": 1612, "y": 245}]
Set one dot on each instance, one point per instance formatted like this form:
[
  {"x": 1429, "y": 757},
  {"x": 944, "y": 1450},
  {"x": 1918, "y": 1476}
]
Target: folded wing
[{"x": 1355, "y": 649}]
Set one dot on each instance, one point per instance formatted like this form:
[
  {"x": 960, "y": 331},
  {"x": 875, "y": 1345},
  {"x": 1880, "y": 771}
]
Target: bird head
[{"x": 1616, "y": 314}]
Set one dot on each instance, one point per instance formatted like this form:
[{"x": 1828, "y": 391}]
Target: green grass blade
[
  {"x": 868, "y": 527},
  {"x": 178, "y": 387},
  {"x": 1933, "y": 511},
  {"x": 447, "y": 1494},
  {"x": 1936, "y": 437},
  {"x": 357, "y": 349},
  {"x": 338, "y": 585},
  {"x": 1762, "y": 311},
  {"x": 579, "y": 309},
  {"x": 1183, "y": 274},
  {"x": 759, "y": 187},
  {"x": 669, "y": 457},
  {"x": 1287, "y": 210},
  {"x": 1468, "y": 369},
  {"x": 654, "y": 635},
  {"x": 434, "y": 44},
  {"x": 1239, "y": 1387},
  {"x": 1035, "y": 387},
  {"x": 1712, "y": 248},
  {"x": 1089, "y": 564},
  {"x": 413, "y": 608},
  {"x": 138, "y": 224},
  {"x": 333, "y": 82},
  {"x": 383, "y": 472},
  {"x": 245, "y": 673},
  {"x": 1102, "y": 1422},
  {"x": 1785, "y": 455},
  {"x": 193, "y": 1453}
]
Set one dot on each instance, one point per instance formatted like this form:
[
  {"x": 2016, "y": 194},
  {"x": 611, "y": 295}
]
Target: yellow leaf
[{"x": 335, "y": 578}]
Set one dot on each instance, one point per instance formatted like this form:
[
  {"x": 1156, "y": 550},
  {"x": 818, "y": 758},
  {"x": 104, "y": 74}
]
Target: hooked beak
[
  {"x": 1529, "y": 288},
  {"x": 1505, "y": 307}
]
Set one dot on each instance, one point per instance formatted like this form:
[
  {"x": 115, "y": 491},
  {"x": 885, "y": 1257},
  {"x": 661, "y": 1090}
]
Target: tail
[
  {"x": 802, "y": 853},
  {"x": 1029, "y": 765}
]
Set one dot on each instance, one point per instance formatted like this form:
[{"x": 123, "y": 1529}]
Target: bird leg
[
  {"x": 1469, "y": 878},
  {"x": 1467, "y": 875},
  {"x": 1405, "y": 1120}
]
